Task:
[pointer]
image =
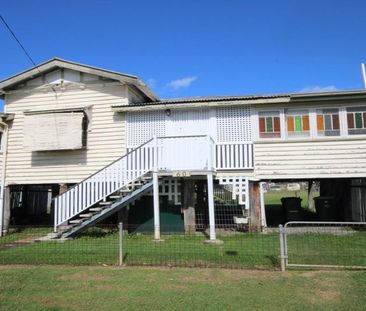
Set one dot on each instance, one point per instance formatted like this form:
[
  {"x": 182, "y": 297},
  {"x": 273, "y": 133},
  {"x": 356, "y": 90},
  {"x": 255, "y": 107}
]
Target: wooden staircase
[
  {"x": 103, "y": 209},
  {"x": 105, "y": 192}
]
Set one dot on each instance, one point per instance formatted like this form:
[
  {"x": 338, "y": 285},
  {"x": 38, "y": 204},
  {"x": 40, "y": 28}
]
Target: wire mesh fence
[
  {"x": 325, "y": 244},
  {"x": 101, "y": 246},
  {"x": 304, "y": 244},
  {"x": 35, "y": 245}
]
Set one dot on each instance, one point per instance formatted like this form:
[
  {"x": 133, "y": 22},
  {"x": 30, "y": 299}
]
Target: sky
[{"x": 196, "y": 47}]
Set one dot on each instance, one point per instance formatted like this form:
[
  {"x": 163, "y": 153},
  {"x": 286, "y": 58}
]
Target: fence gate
[{"x": 323, "y": 244}]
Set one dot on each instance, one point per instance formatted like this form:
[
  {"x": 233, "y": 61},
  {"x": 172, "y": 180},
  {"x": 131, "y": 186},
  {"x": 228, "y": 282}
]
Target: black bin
[
  {"x": 325, "y": 209},
  {"x": 292, "y": 207}
]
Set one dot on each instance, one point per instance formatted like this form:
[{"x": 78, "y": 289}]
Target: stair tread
[
  {"x": 105, "y": 203},
  {"x": 76, "y": 221},
  {"x": 86, "y": 215},
  {"x": 95, "y": 209}
]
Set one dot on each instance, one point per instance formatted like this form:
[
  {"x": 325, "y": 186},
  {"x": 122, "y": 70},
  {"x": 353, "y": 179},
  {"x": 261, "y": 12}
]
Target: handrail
[
  {"x": 156, "y": 154},
  {"x": 104, "y": 167}
]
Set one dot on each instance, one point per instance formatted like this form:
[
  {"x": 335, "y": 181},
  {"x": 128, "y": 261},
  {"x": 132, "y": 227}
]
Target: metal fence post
[
  {"x": 120, "y": 235},
  {"x": 282, "y": 249}
]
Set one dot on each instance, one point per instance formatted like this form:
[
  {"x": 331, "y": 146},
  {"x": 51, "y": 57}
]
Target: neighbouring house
[{"x": 81, "y": 145}]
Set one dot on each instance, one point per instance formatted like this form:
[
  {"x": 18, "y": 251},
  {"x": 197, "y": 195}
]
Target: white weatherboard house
[{"x": 81, "y": 144}]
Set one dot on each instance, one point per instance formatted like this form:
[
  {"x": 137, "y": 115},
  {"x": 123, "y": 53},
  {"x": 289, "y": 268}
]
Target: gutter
[{"x": 204, "y": 104}]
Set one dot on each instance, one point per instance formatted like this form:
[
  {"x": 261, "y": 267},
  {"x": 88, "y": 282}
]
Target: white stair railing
[{"x": 103, "y": 183}]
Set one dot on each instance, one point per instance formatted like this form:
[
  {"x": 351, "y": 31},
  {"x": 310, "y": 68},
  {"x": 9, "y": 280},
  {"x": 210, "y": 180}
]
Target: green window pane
[
  {"x": 358, "y": 117},
  {"x": 298, "y": 124},
  {"x": 269, "y": 124}
]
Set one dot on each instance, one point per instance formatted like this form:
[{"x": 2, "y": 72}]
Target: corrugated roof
[{"x": 211, "y": 99}]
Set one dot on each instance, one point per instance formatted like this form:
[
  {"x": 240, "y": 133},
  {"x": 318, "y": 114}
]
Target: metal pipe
[
  {"x": 2, "y": 192},
  {"x": 120, "y": 227}
]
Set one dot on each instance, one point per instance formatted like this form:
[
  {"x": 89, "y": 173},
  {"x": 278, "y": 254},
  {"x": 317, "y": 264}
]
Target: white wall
[{"x": 105, "y": 141}]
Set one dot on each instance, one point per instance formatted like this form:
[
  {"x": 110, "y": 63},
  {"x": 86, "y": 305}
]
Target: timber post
[
  {"x": 188, "y": 205},
  {"x": 254, "y": 206}
]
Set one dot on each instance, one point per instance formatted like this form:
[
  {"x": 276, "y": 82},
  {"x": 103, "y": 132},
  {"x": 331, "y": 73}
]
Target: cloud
[
  {"x": 318, "y": 89},
  {"x": 181, "y": 83}
]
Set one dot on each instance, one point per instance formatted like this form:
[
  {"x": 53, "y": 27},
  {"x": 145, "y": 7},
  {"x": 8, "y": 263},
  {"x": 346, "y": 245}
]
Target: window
[
  {"x": 54, "y": 131},
  {"x": 356, "y": 120},
  {"x": 327, "y": 122},
  {"x": 297, "y": 123},
  {"x": 269, "y": 124}
]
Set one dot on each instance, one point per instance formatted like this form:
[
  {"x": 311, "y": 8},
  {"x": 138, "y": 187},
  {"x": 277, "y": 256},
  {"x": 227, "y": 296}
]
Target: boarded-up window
[{"x": 53, "y": 131}]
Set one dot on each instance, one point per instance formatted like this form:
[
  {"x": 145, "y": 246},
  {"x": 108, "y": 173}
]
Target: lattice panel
[
  {"x": 170, "y": 187},
  {"x": 238, "y": 186},
  {"x": 233, "y": 124},
  {"x": 143, "y": 126},
  {"x": 189, "y": 122}
]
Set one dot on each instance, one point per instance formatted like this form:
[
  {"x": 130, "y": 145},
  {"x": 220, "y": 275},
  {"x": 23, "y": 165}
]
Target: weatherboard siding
[
  {"x": 105, "y": 136},
  {"x": 312, "y": 159}
]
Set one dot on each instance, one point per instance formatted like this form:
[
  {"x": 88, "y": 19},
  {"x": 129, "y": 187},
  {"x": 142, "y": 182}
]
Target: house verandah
[{"x": 110, "y": 148}]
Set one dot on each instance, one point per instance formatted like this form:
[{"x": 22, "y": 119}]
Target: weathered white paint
[
  {"x": 53, "y": 131},
  {"x": 310, "y": 159},
  {"x": 105, "y": 135},
  {"x": 211, "y": 206},
  {"x": 156, "y": 206},
  {"x": 147, "y": 158},
  {"x": 103, "y": 183}
]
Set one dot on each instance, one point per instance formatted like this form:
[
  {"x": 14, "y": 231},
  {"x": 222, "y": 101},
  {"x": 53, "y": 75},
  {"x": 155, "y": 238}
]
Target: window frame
[
  {"x": 273, "y": 112},
  {"x": 310, "y": 124},
  {"x": 346, "y": 112}
]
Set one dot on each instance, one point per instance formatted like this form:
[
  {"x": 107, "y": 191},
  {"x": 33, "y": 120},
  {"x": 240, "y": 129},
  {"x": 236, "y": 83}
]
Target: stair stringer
[{"x": 108, "y": 211}]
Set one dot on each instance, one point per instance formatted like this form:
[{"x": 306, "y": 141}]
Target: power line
[
  {"x": 18, "y": 41},
  {"x": 24, "y": 49}
]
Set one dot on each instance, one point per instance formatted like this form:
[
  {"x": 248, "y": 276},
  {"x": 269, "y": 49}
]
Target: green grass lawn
[
  {"x": 109, "y": 288},
  {"x": 241, "y": 250}
]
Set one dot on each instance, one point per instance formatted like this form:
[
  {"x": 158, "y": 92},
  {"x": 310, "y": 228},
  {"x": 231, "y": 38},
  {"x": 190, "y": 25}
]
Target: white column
[
  {"x": 156, "y": 206},
  {"x": 211, "y": 204},
  {"x": 263, "y": 207}
]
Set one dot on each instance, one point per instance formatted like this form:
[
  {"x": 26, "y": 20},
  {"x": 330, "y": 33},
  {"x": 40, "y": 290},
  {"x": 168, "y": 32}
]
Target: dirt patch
[{"x": 328, "y": 295}]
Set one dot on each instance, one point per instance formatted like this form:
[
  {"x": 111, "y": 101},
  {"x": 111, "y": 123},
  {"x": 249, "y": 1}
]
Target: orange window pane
[
  {"x": 290, "y": 124},
  {"x": 262, "y": 125},
  {"x": 320, "y": 122},
  {"x": 305, "y": 123}
]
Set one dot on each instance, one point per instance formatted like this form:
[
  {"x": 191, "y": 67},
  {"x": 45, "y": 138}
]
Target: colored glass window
[
  {"x": 356, "y": 120},
  {"x": 327, "y": 121},
  {"x": 269, "y": 124},
  {"x": 298, "y": 124}
]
